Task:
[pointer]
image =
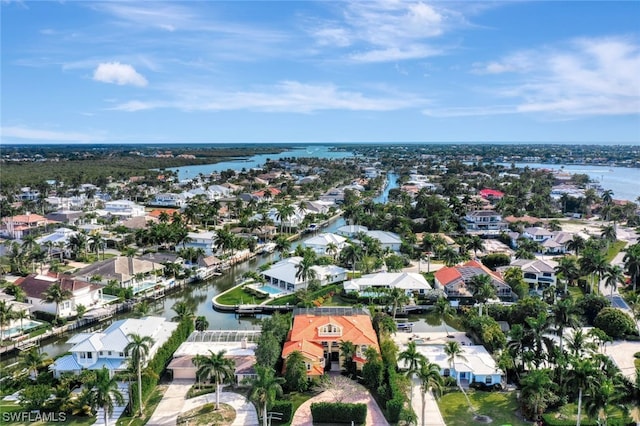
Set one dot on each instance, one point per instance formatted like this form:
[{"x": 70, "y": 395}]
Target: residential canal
[{"x": 201, "y": 294}]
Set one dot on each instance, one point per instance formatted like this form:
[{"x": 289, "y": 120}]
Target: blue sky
[{"x": 312, "y": 71}]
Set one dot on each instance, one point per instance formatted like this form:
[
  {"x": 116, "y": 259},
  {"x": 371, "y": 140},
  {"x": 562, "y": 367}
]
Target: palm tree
[
  {"x": 606, "y": 394},
  {"x": 32, "y": 361},
  {"x": 103, "y": 392},
  {"x": 283, "y": 245},
  {"x": 564, "y": 314},
  {"x": 613, "y": 276},
  {"x": 537, "y": 391},
  {"x": 449, "y": 256},
  {"x": 201, "y": 323},
  {"x": 593, "y": 262},
  {"x": 583, "y": 376},
  {"x": 413, "y": 360},
  {"x": 216, "y": 368},
  {"x": 332, "y": 249},
  {"x": 454, "y": 352},
  {"x": 56, "y": 294},
  {"x": 183, "y": 311},
  {"x": 21, "y": 315},
  {"x": 609, "y": 234},
  {"x": 568, "y": 268},
  {"x": 430, "y": 381},
  {"x": 397, "y": 298},
  {"x": 305, "y": 271},
  {"x": 578, "y": 344},
  {"x": 264, "y": 389},
  {"x": 6, "y": 315},
  {"x": 631, "y": 261},
  {"x": 138, "y": 348},
  {"x": 537, "y": 328},
  {"x": 444, "y": 311},
  {"x": 576, "y": 244},
  {"x": 350, "y": 255},
  {"x": 482, "y": 289},
  {"x": 475, "y": 244},
  {"x": 347, "y": 351}
]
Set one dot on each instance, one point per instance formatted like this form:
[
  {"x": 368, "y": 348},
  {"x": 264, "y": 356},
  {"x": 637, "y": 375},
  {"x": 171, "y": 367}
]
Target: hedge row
[
  {"x": 397, "y": 395},
  {"x": 339, "y": 412},
  {"x": 285, "y": 408},
  {"x": 161, "y": 360},
  {"x": 550, "y": 421}
]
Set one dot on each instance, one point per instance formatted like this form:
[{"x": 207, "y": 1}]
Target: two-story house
[
  {"x": 201, "y": 240},
  {"x": 123, "y": 208},
  {"x": 455, "y": 280},
  {"x": 93, "y": 351},
  {"x": 319, "y": 335},
  {"x": 481, "y": 221},
  {"x": 284, "y": 274},
  {"x": 326, "y": 244},
  {"x": 539, "y": 274},
  {"x": 82, "y": 293},
  {"x": 409, "y": 282}
]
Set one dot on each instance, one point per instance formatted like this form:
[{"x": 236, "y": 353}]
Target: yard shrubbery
[{"x": 339, "y": 412}]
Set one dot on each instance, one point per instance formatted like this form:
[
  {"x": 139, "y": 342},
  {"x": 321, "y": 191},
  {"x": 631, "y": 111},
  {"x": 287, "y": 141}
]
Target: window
[
  {"x": 101, "y": 353},
  {"x": 90, "y": 355},
  {"x": 82, "y": 355},
  {"x": 308, "y": 367},
  {"x": 122, "y": 354},
  {"x": 488, "y": 380},
  {"x": 109, "y": 352},
  {"x": 446, "y": 372}
]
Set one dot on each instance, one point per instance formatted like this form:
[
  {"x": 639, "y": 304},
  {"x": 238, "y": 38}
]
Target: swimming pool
[
  {"x": 271, "y": 290},
  {"x": 27, "y": 325}
]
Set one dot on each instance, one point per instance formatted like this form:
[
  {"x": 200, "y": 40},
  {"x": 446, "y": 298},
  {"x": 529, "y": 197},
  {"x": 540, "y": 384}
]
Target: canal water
[{"x": 201, "y": 294}]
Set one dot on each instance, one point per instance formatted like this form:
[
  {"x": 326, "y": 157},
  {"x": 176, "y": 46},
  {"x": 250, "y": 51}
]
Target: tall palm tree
[
  {"x": 201, "y": 323},
  {"x": 6, "y": 315},
  {"x": 350, "y": 255},
  {"x": 347, "y": 351},
  {"x": 56, "y": 294},
  {"x": 568, "y": 268},
  {"x": 631, "y": 261},
  {"x": 576, "y": 244},
  {"x": 305, "y": 271},
  {"x": 104, "y": 393},
  {"x": 537, "y": 330},
  {"x": 413, "y": 360},
  {"x": 584, "y": 377},
  {"x": 138, "y": 349},
  {"x": 482, "y": 290},
  {"x": 264, "y": 389},
  {"x": 430, "y": 381},
  {"x": 32, "y": 361},
  {"x": 613, "y": 276},
  {"x": 397, "y": 299},
  {"x": 609, "y": 234},
  {"x": 183, "y": 311},
  {"x": 537, "y": 390},
  {"x": 593, "y": 262},
  {"x": 564, "y": 314},
  {"x": 603, "y": 397},
  {"x": 444, "y": 311},
  {"x": 454, "y": 352},
  {"x": 216, "y": 368}
]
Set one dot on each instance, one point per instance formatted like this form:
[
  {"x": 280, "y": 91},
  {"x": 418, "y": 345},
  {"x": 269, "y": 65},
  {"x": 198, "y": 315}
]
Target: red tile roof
[
  {"x": 491, "y": 193},
  {"x": 447, "y": 275}
]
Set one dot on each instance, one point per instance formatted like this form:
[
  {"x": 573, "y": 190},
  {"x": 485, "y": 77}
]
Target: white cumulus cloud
[{"x": 117, "y": 73}]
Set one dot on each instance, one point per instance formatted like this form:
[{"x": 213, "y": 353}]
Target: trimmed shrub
[
  {"x": 338, "y": 412},
  {"x": 284, "y": 407},
  {"x": 614, "y": 322}
]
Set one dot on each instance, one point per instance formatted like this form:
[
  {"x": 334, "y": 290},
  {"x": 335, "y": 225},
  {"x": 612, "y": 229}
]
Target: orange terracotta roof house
[
  {"x": 453, "y": 280},
  {"x": 318, "y": 338}
]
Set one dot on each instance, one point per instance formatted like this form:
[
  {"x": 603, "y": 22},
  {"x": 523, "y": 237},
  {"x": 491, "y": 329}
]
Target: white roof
[
  {"x": 403, "y": 280},
  {"x": 535, "y": 265},
  {"x": 385, "y": 237},
  {"x": 352, "y": 229},
  {"x": 114, "y": 337},
  {"x": 286, "y": 269},
  {"x": 325, "y": 239},
  {"x": 478, "y": 360},
  {"x": 203, "y": 348}
]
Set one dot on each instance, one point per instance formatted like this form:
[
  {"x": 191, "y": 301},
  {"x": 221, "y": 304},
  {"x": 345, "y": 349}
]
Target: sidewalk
[{"x": 433, "y": 417}]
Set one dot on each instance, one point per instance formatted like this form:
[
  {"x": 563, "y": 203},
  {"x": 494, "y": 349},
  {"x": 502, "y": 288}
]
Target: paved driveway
[
  {"x": 174, "y": 402},
  {"x": 302, "y": 416}
]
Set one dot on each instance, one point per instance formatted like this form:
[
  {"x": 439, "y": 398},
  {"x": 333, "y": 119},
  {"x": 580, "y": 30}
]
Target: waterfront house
[
  {"x": 126, "y": 271},
  {"x": 239, "y": 346},
  {"x": 284, "y": 274},
  {"x": 122, "y": 209},
  {"x": 14, "y": 324},
  {"x": 82, "y": 293},
  {"x": 484, "y": 221},
  {"x": 455, "y": 280},
  {"x": 95, "y": 350},
  {"x": 317, "y": 335},
  {"x": 409, "y": 282},
  {"x": 350, "y": 231},
  {"x": 201, "y": 240},
  {"x": 387, "y": 239},
  {"x": 320, "y": 244},
  {"x": 476, "y": 366},
  {"x": 16, "y": 227},
  {"x": 538, "y": 273},
  {"x": 167, "y": 199}
]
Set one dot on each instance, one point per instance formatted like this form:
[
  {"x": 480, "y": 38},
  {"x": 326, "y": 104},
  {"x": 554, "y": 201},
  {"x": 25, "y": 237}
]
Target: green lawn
[
  {"x": 500, "y": 406},
  {"x": 614, "y": 249},
  {"x": 149, "y": 407},
  {"x": 569, "y": 412},
  {"x": 237, "y": 296}
]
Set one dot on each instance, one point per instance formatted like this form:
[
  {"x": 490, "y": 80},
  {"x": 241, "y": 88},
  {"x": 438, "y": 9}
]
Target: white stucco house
[
  {"x": 351, "y": 230},
  {"x": 283, "y": 274},
  {"x": 201, "y": 240},
  {"x": 477, "y": 366},
  {"x": 387, "y": 239},
  {"x": 538, "y": 273},
  {"x": 93, "y": 351},
  {"x": 82, "y": 293},
  {"x": 123, "y": 209},
  {"x": 410, "y": 282},
  {"x": 321, "y": 243}
]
